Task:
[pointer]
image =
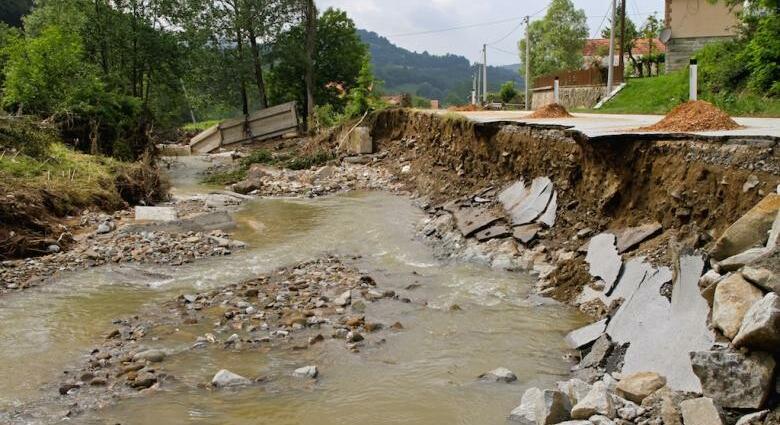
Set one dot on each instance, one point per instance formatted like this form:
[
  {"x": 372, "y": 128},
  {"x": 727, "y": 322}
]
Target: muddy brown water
[{"x": 425, "y": 374}]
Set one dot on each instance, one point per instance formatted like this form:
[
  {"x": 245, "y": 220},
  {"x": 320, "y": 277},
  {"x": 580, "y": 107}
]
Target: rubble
[
  {"x": 640, "y": 385},
  {"x": 733, "y": 379},
  {"x": 733, "y": 297},
  {"x": 605, "y": 262},
  {"x": 629, "y": 238},
  {"x": 155, "y": 213},
  {"x": 760, "y": 329},
  {"x": 701, "y": 411},
  {"x": 751, "y": 230}
]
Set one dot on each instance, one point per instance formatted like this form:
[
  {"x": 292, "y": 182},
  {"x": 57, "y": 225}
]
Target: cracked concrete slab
[
  {"x": 534, "y": 203},
  {"x": 492, "y": 232},
  {"x": 631, "y": 237},
  {"x": 551, "y": 213},
  {"x": 513, "y": 195},
  {"x": 472, "y": 220},
  {"x": 585, "y": 335},
  {"x": 526, "y": 233},
  {"x": 603, "y": 258}
]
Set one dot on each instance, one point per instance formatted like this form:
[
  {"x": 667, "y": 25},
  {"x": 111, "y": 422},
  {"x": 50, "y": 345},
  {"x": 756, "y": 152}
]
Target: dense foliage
[{"x": 557, "y": 40}]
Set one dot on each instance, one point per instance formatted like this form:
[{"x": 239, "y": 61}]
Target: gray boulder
[
  {"x": 598, "y": 402},
  {"x": 501, "y": 374},
  {"x": 309, "y": 372},
  {"x": 701, "y": 411},
  {"x": 762, "y": 277},
  {"x": 225, "y": 378},
  {"x": 760, "y": 328},
  {"x": 756, "y": 418},
  {"x": 734, "y": 380},
  {"x": 751, "y": 230},
  {"x": 554, "y": 408},
  {"x": 575, "y": 389},
  {"x": 525, "y": 413},
  {"x": 154, "y": 356},
  {"x": 733, "y": 297}
]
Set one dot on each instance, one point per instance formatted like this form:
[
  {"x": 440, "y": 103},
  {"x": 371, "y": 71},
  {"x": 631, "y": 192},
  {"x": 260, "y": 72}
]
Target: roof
[{"x": 594, "y": 45}]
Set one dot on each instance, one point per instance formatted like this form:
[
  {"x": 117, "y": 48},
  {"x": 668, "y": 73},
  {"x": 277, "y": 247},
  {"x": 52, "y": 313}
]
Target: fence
[{"x": 581, "y": 77}]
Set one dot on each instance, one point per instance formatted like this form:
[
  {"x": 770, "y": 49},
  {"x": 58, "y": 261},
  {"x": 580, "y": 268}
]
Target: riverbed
[{"x": 464, "y": 319}]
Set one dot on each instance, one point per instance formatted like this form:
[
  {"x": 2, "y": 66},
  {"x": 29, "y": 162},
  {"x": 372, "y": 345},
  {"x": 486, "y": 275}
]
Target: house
[
  {"x": 597, "y": 49},
  {"x": 691, "y": 24}
]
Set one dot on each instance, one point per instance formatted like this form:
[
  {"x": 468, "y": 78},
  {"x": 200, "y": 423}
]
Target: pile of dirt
[
  {"x": 465, "y": 108},
  {"x": 553, "y": 110},
  {"x": 697, "y": 115}
]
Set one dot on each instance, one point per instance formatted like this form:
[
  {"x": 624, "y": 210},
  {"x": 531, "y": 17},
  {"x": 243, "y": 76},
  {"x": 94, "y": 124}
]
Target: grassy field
[
  {"x": 658, "y": 95},
  {"x": 200, "y": 125}
]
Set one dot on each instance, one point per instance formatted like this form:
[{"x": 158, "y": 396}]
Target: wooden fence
[
  {"x": 580, "y": 77},
  {"x": 263, "y": 124}
]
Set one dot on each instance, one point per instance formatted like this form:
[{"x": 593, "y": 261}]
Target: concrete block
[{"x": 155, "y": 213}]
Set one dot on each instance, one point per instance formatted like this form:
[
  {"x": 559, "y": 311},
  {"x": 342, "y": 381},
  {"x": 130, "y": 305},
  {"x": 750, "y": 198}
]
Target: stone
[
  {"x": 760, "y": 328},
  {"x": 600, "y": 420},
  {"x": 472, "y": 220},
  {"x": 750, "y": 230},
  {"x": 493, "y": 232},
  {"x": 512, "y": 195},
  {"x": 309, "y": 372},
  {"x": 154, "y": 356},
  {"x": 550, "y": 214},
  {"x": 636, "y": 387},
  {"x": 744, "y": 258},
  {"x": 103, "y": 228},
  {"x": 575, "y": 389},
  {"x": 599, "y": 352},
  {"x": 155, "y": 213},
  {"x": 53, "y": 249},
  {"x": 501, "y": 374},
  {"x": 661, "y": 334},
  {"x": 756, "y": 418},
  {"x": 762, "y": 277},
  {"x": 597, "y": 402},
  {"x": 578, "y": 422},
  {"x": 525, "y": 413},
  {"x": 526, "y": 233},
  {"x": 733, "y": 297},
  {"x": 583, "y": 336},
  {"x": 553, "y": 409},
  {"x": 343, "y": 299},
  {"x": 701, "y": 411},
  {"x": 604, "y": 260},
  {"x": 733, "y": 379},
  {"x": 225, "y": 378},
  {"x": 359, "y": 141},
  {"x": 629, "y": 238},
  {"x": 534, "y": 203}
]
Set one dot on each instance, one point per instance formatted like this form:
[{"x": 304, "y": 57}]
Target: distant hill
[
  {"x": 447, "y": 78},
  {"x": 515, "y": 67}
]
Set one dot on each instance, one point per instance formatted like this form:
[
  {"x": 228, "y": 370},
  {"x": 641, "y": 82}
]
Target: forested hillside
[{"x": 447, "y": 78}]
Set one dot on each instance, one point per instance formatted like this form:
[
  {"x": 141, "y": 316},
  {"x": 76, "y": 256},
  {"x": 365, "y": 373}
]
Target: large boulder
[
  {"x": 225, "y": 378},
  {"x": 539, "y": 407},
  {"x": 760, "y": 328},
  {"x": 701, "y": 411},
  {"x": 733, "y": 379},
  {"x": 598, "y": 402},
  {"x": 525, "y": 413},
  {"x": 359, "y": 141},
  {"x": 638, "y": 386},
  {"x": 762, "y": 277},
  {"x": 733, "y": 297},
  {"x": 575, "y": 389},
  {"x": 751, "y": 230}
]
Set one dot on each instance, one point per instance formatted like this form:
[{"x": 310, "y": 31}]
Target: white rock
[
  {"x": 700, "y": 411},
  {"x": 501, "y": 374},
  {"x": 225, "y": 378},
  {"x": 310, "y": 372},
  {"x": 597, "y": 402}
]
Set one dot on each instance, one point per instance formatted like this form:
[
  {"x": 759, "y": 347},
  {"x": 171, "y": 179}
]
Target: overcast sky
[{"x": 396, "y": 19}]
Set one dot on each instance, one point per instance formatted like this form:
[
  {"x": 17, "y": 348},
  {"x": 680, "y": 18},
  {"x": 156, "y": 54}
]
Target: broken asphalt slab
[
  {"x": 472, "y": 220},
  {"x": 631, "y": 237},
  {"x": 604, "y": 260},
  {"x": 533, "y": 204}
]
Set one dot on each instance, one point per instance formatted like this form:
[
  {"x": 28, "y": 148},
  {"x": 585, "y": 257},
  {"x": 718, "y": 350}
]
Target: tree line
[{"x": 110, "y": 73}]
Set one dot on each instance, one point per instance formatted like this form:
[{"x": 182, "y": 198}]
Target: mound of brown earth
[
  {"x": 553, "y": 110},
  {"x": 697, "y": 115}
]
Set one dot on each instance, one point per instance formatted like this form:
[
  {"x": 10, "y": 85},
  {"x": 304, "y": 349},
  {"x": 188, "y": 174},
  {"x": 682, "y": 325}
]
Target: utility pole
[
  {"x": 478, "y": 71},
  {"x": 484, "y": 74},
  {"x": 527, "y": 63},
  {"x": 474, "y": 90},
  {"x": 622, "y": 33},
  {"x": 611, "y": 70}
]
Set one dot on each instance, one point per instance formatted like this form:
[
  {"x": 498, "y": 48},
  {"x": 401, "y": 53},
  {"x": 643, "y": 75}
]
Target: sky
[{"x": 496, "y": 22}]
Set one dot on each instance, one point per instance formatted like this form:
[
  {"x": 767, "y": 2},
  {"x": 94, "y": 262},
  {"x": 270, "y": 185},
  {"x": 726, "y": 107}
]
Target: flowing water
[{"x": 422, "y": 375}]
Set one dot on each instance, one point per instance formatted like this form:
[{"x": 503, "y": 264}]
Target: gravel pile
[
  {"x": 697, "y": 115},
  {"x": 553, "y": 110}
]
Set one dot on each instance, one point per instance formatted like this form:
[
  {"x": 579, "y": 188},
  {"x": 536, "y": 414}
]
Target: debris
[
  {"x": 742, "y": 259},
  {"x": 512, "y": 195},
  {"x": 638, "y": 386},
  {"x": 155, "y": 213},
  {"x": 599, "y": 352},
  {"x": 575, "y": 389},
  {"x": 750, "y": 230},
  {"x": 585, "y": 335},
  {"x": 697, "y": 115},
  {"x": 630, "y": 237},
  {"x": 597, "y": 402},
  {"x": 756, "y": 418},
  {"x": 760, "y": 328},
  {"x": 549, "y": 215},
  {"x": 534, "y": 203},
  {"x": 762, "y": 278},
  {"x": 493, "y": 232},
  {"x": 472, "y": 220},
  {"x": 604, "y": 260},
  {"x": 733, "y": 379},
  {"x": 733, "y": 297},
  {"x": 701, "y": 411},
  {"x": 553, "y": 110},
  {"x": 526, "y": 233},
  {"x": 359, "y": 141}
]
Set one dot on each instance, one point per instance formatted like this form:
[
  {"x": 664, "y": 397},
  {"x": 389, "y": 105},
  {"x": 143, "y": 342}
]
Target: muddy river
[{"x": 425, "y": 374}]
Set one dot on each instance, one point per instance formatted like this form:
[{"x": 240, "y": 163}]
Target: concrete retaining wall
[
  {"x": 570, "y": 97},
  {"x": 680, "y": 50}
]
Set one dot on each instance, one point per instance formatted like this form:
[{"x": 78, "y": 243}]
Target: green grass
[
  {"x": 200, "y": 125},
  {"x": 658, "y": 95}
]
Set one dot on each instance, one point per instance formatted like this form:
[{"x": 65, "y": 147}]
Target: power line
[
  {"x": 508, "y": 34},
  {"x": 503, "y": 51},
  {"x": 482, "y": 24}
]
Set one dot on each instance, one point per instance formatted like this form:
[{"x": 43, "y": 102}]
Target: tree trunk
[
  {"x": 258, "y": 68},
  {"x": 311, "y": 38},
  {"x": 622, "y": 34},
  {"x": 241, "y": 78}
]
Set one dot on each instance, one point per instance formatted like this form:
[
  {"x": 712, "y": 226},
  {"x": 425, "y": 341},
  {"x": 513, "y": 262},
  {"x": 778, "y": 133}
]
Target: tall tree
[
  {"x": 310, "y": 23},
  {"x": 557, "y": 40}
]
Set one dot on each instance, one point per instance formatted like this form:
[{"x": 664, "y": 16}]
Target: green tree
[
  {"x": 557, "y": 40},
  {"x": 631, "y": 34},
  {"x": 507, "y": 92}
]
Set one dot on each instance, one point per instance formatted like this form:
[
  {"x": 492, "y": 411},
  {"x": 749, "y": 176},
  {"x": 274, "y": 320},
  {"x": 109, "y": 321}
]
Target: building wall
[{"x": 699, "y": 18}]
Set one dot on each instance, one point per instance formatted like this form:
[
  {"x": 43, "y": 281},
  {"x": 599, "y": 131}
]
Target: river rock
[
  {"x": 600, "y": 420},
  {"x": 733, "y": 379},
  {"x": 309, "y": 372},
  {"x": 343, "y": 299},
  {"x": 553, "y": 408},
  {"x": 760, "y": 328},
  {"x": 763, "y": 278},
  {"x": 154, "y": 356},
  {"x": 575, "y": 389},
  {"x": 103, "y": 228},
  {"x": 751, "y": 230},
  {"x": 501, "y": 374},
  {"x": 525, "y": 413},
  {"x": 604, "y": 260},
  {"x": 597, "y": 402},
  {"x": 701, "y": 411},
  {"x": 733, "y": 297},
  {"x": 225, "y": 378},
  {"x": 756, "y": 418},
  {"x": 638, "y": 386}
]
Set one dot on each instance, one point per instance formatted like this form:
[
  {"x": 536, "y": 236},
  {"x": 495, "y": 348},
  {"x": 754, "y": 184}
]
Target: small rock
[
  {"x": 597, "y": 402},
  {"x": 501, "y": 374},
  {"x": 309, "y": 372},
  {"x": 601, "y": 420},
  {"x": 354, "y": 336},
  {"x": 733, "y": 297},
  {"x": 103, "y": 228},
  {"x": 701, "y": 411},
  {"x": 225, "y": 378},
  {"x": 554, "y": 408},
  {"x": 599, "y": 352},
  {"x": 53, "y": 248},
  {"x": 756, "y": 418},
  {"x": 575, "y": 389},
  {"x": 343, "y": 299},
  {"x": 66, "y": 388},
  {"x": 639, "y": 385},
  {"x": 154, "y": 356},
  {"x": 760, "y": 328}
]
